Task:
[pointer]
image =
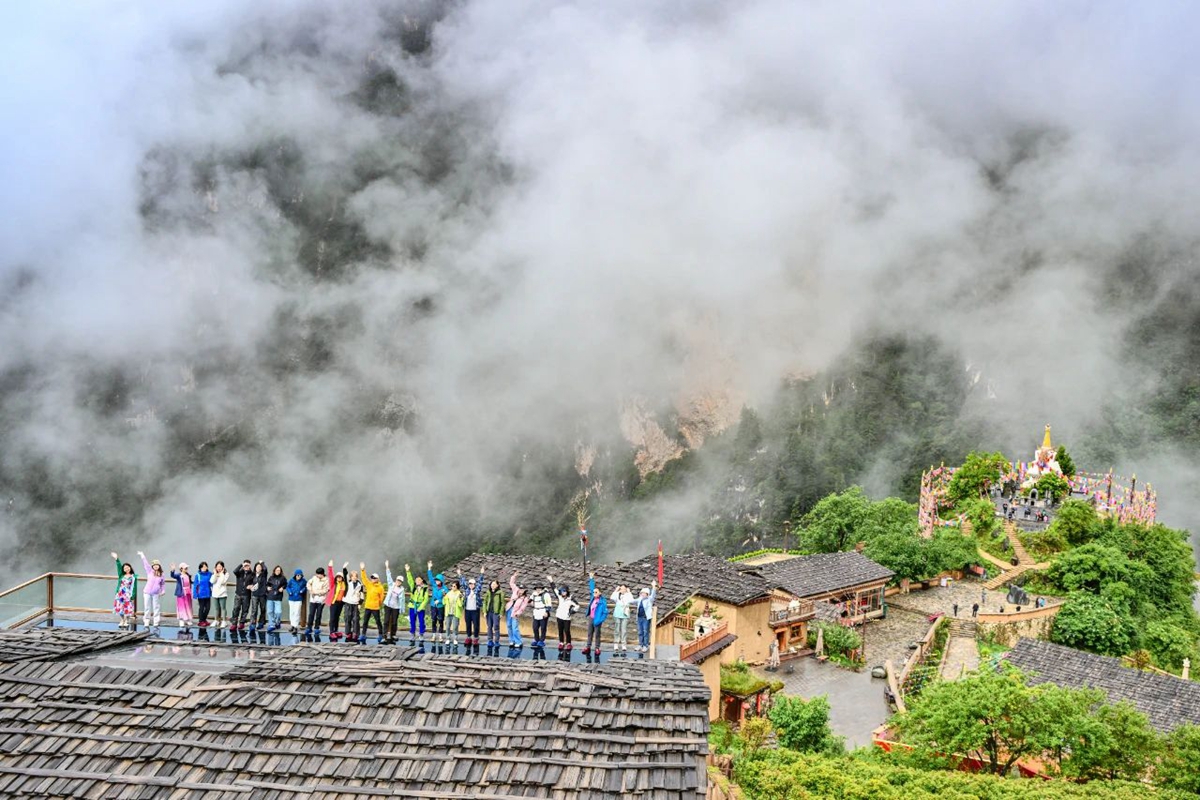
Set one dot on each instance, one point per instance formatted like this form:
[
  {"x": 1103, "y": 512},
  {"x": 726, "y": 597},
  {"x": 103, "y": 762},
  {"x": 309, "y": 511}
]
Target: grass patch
[{"x": 736, "y": 678}]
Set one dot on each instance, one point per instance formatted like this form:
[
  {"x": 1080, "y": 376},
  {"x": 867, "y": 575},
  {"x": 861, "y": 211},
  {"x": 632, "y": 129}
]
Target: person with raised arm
[
  {"x": 123, "y": 600},
  {"x": 621, "y": 599},
  {"x": 472, "y": 590},
  {"x": 437, "y": 603},
  {"x": 153, "y": 591},
  {"x": 418, "y": 602},
  {"x": 493, "y": 607},
  {"x": 515, "y": 607},
  {"x": 183, "y": 595},
  {"x": 597, "y": 613},
  {"x": 352, "y": 600},
  {"x": 393, "y": 603},
  {"x": 645, "y": 610},
  {"x": 373, "y": 592}
]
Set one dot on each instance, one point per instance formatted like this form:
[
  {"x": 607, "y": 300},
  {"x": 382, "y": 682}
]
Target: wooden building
[
  {"x": 847, "y": 583},
  {"x": 327, "y": 721}
]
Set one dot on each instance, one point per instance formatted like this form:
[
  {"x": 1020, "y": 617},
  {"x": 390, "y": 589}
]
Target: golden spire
[{"x": 1046, "y": 439}]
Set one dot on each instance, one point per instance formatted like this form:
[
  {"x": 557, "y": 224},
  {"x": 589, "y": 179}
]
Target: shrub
[
  {"x": 804, "y": 724},
  {"x": 838, "y": 638}
]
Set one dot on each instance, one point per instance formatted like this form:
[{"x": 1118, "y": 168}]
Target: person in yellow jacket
[
  {"x": 453, "y": 602},
  {"x": 373, "y": 592}
]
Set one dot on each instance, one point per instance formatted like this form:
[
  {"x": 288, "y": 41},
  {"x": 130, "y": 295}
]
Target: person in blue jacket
[
  {"x": 202, "y": 589},
  {"x": 297, "y": 588},
  {"x": 437, "y": 602},
  {"x": 597, "y": 613}
]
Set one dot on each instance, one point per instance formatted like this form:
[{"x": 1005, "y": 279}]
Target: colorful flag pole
[{"x": 660, "y": 563}]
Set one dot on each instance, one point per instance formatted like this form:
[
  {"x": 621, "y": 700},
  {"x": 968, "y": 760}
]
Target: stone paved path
[
  {"x": 962, "y": 654},
  {"x": 856, "y": 702}
]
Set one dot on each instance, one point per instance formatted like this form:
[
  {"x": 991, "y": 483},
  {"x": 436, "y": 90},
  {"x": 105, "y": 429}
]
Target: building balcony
[{"x": 787, "y": 615}]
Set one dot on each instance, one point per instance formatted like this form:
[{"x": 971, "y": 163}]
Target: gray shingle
[
  {"x": 1167, "y": 701},
  {"x": 822, "y": 574}
]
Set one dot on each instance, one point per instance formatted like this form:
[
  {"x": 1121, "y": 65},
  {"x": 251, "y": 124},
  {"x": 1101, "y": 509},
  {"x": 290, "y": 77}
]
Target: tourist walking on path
[
  {"x": 472, "y": 605},
  {"x": 242, "y": 595},
  {"x": 454, "y": 611},
  {"x": 183, "y": 595},
  {"x": 352, "y": 601},
  {"x": 493, "y": 606},
  {"x": 123, "y": 601},
  {"x": 622, "y": 599},
  {"x": 597, "y": 613},
  {"x": 220, "y": 592},
  {"x": 562, "y": 614},
  {"x": 276, "y": 589},
  {"x": 258, "y": 592},
  {"x": 437, "y": 603},
  {"x": 318, "y": 596},
  {"x": 975, "y": 610},
  {"x": 542, "y": 605},
  {"x": 152, "y": 614},
  {"x": 393, "y": 604},
  {"x": 373, "y": 592},
  {"x": 645, "y": 610},
  {"x": 202, "y": 589},
  {"x": 418, "y": 602},
  {"x": 515, "y": 607},
  {"x": 956, "y": 609},
  {"x": 336, "y": 601}
]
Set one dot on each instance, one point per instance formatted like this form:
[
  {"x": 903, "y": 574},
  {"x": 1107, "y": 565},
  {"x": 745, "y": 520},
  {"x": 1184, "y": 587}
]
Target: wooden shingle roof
[
  {"x": 821, "y": 574},
  {"x": 43, "y": 644},
  {"x": 684, "y": 576},
  {"x": 1166, "y": 700},
  {"x": 331, "y": 722}
]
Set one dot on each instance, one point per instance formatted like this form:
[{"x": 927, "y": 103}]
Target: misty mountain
[{"x": 423, "y": 278}]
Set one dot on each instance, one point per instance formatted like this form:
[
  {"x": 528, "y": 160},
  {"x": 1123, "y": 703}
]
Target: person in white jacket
[
  {"x": 562, "y": 614},
  {"x": 621, "y": 599},
  {"x": 219, "y": 581},
  {"x": 318, "y": 591},
  {"x": 393, "y": 602}
]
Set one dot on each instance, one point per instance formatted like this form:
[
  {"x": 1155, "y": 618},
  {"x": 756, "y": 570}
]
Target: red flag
[{"x": 660, "y": 564}]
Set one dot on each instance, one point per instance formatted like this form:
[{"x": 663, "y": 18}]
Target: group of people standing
[{"x": 356, "y": 600}]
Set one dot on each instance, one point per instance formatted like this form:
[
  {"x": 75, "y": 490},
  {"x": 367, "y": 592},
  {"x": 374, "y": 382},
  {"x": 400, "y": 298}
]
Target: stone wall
[{"x": 1006, "y": 628}]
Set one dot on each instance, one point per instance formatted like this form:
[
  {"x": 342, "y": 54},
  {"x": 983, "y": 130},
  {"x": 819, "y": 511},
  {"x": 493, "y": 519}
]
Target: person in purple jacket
[{"x": 153, "y": 592}]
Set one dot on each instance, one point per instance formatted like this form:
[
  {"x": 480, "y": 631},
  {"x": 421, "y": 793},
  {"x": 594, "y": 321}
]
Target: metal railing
[
  {"x": 82, "y": 593},
  {"x": 784, "y": 616}
]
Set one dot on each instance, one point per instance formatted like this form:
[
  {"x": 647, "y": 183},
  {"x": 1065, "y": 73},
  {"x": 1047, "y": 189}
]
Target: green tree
[
  {"x": 1114, "y": 742},
  {"x": 1065, "y": 461},
  {"x": 1053, "y": 487},
  {"x": 978, "y": 472},
  {"x": 1089, "y": 622},
  {"x": 1092, "y": 566},
  {"x": 982, "y": 516},
  {"x": 1181, "y": 753},
  {"x": 1169, "y": 643},
  {"x": 754, "y": 734},
  {"x": 1076, "y": 521},
  {"x": 835, "y": 521},
  {"x": 988, "y": 715},
  {"x": 804, "y": 724}
]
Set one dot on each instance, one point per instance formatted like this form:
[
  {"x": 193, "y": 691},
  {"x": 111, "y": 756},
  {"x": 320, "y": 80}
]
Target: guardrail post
[{"x": 50, "y": 592}]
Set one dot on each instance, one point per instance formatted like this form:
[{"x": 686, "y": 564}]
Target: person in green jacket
[
  {"x": 418, "y": 602},
  {"x": 493, "y": 606},
  {"x": 126, "y": 592}
]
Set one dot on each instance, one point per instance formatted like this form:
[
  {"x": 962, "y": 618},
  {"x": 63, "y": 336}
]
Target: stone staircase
[
  {"x": 1025, "y": 561},
  {"x": 962, "y": 654}
]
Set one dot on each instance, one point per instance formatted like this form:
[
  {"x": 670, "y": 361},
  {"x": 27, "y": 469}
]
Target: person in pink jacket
[
  {"x": 515, "y": 607},
  {"x": 153, "y": 591}
]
